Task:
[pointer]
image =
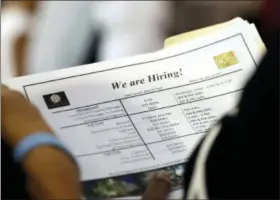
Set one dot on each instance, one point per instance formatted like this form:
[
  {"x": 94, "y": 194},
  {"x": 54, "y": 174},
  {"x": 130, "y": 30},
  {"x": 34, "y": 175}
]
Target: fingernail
[{"x": 162, "y": 174}]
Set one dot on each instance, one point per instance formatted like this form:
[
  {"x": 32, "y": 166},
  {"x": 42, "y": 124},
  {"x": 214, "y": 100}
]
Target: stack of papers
[
  {"x": 179, "y": 39},
  {"x": 124, "y": 120}
]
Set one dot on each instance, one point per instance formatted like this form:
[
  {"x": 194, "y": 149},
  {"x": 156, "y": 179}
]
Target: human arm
[{"x": 51, "y": 173}]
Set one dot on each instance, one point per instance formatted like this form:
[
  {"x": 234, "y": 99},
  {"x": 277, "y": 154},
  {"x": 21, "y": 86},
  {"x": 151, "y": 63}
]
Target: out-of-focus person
[
  {"x": 15, "y": 20},
  {"x": 62, "y": 32}
]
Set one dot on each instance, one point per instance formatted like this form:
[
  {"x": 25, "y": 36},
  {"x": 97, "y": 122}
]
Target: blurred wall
[{"x": 191, "y": 15}]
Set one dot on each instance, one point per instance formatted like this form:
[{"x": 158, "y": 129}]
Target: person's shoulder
[{"x": 244, "y": 158}]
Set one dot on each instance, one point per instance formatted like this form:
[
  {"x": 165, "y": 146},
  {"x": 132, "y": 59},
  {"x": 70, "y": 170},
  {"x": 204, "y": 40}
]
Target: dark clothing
[
  {"x": 12, "y": 176},
  {"x": 244, "y": 159}
]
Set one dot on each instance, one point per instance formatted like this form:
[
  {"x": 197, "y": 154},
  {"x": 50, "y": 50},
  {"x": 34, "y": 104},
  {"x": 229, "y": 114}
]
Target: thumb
[{"x": 158, "y": 188}]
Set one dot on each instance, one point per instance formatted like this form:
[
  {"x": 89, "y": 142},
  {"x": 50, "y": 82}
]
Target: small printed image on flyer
[{"x": 131, "y": 184}]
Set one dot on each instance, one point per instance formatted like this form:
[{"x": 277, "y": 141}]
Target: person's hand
[
  {"x": 51, "y": 174},
  {"x": 19, "y": 117},
  {"x": 158, "y": 188}
]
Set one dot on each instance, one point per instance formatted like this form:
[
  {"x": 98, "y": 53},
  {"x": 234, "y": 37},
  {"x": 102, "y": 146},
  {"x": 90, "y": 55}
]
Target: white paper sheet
[{"x": 126, "y": 119}]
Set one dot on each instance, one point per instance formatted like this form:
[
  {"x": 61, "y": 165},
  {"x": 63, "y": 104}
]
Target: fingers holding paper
[{"x": 158, "y": 188}]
